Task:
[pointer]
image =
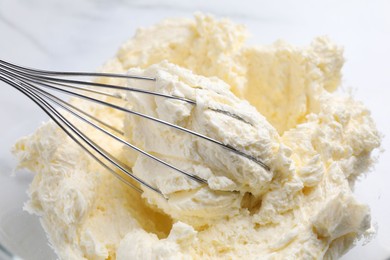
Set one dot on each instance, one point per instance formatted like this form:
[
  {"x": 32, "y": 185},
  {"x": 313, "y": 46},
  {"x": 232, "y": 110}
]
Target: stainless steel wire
[{"x": 35, "y": 83}]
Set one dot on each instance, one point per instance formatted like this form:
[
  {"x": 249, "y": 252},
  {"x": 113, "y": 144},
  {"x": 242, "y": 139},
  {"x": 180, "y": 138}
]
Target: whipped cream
[{"x": 275, "y": 103}]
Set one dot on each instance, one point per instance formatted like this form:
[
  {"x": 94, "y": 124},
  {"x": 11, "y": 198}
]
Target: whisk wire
[
  {"x": 63, "y": 124},
  {"x": 28, "y": 72},
  {"x": 31, "y": 83}
]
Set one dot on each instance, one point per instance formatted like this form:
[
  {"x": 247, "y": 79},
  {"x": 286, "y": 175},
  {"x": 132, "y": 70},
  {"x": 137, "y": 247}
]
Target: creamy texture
[
  {"x": 315, "y": 141},
  {"x": 217, "y": 114}
]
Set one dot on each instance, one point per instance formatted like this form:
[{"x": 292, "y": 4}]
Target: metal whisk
[{"x": 35, "y": 83}]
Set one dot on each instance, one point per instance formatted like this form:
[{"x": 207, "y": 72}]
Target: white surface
[{"x": 82, "y": 34}]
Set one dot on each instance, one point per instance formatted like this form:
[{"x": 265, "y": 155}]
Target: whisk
[{"x": 35, "y": 83}]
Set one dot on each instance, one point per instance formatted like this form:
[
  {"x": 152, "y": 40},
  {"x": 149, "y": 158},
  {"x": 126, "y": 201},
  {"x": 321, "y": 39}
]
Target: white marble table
[{"x": 81, "y": 34}]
